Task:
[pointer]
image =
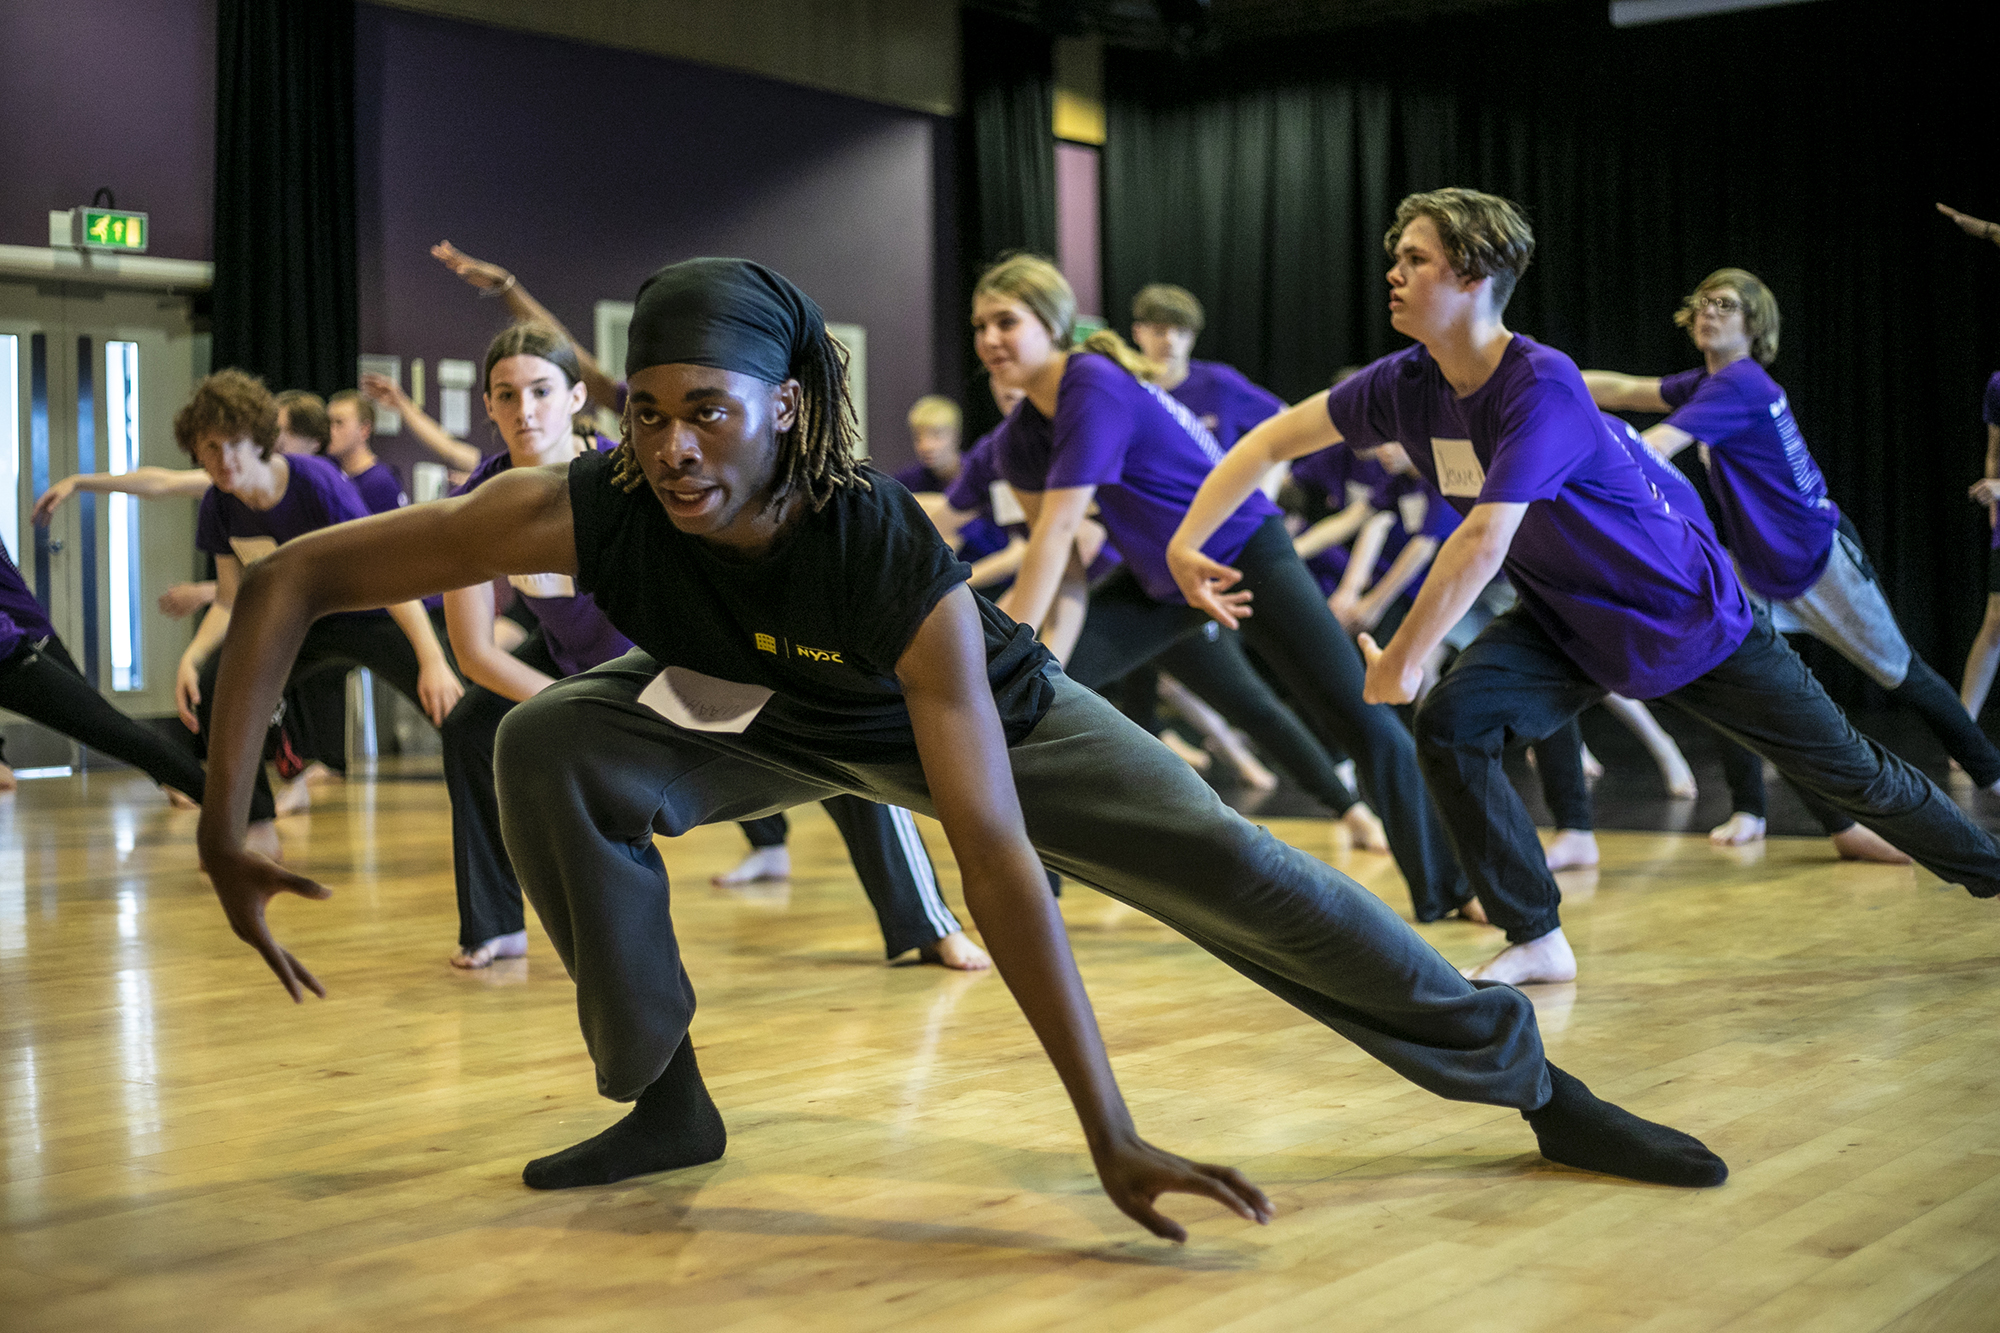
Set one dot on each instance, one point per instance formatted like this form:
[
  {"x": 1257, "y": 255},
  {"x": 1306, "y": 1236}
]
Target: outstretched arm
[
  {"x": 1466, "y": 563},
  {"x": 456, "y": 453},
  {"x": 1972, "y": 226},
  {"x": 468, "y": 618},
  {"x": 1360, "y": 565},
  {"x": 1333, "y": 530},
  {"x": 964, "y": 757},
  {"x": 487, "y": 277},
  {"x": 1624, "y": 393},
  {"x": 518, "y": 523},
  {"x": 1411, "y": 561},
  {"x": 438, "y": 686},
  {"x": 149, "y": 483},
  {"x": 1054, "y": 520},
  {"x": 1300, "y": 429}
]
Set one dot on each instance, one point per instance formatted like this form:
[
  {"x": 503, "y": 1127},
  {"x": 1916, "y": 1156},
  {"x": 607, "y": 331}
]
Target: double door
[{"x": 90, "y": 379}]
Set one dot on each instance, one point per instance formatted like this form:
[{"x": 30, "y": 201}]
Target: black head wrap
[{"x": 731, "y": 314}]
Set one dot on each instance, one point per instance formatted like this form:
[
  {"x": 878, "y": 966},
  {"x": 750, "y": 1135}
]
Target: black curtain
[
  {"x": 1806, "y": 144},
  {"x": 285, "y": 304},
  {"x": 1006, "y": 167}
]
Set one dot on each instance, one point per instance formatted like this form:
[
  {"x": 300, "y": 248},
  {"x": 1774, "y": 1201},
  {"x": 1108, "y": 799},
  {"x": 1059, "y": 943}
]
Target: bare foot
[
  {"x": 1593, "y": 767},
  {"x": 180, "y": 800},
  {"x": 1544, "y": 959},
  {"x": 1364, "y": 830},
  {"x": 1674, "y": 771},
  {"x": 500, "y": 946},
  {"x": 317, "y": 774},
  {"x": 294, "y": 798},
  {"x": 1573, "y": 849},
  {"x": 1472, "y": 910},
  {"x": 1738, "y": 829},
  {"x": 1197, "y": 759},
  {"x": 956, "y": 952},
  {"x": 763, "y": 863},
  {"x": 1855, "y": 843},
  {"x": 262, "y": 838}
]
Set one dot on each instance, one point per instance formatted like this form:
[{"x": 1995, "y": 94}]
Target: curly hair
[
  {"x": 817, "y": 455},
  {"x": 1760, "y": 309},
  {"x": 232, "y": 403},
  {"x": 1484, "y": 236}
]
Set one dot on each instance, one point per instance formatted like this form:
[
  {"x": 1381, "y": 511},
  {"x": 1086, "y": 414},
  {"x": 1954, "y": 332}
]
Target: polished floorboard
[{"x": 184, "y": 1149}]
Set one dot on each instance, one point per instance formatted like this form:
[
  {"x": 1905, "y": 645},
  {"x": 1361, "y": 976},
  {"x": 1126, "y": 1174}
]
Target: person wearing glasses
[{"x": 1791, "y": 544}]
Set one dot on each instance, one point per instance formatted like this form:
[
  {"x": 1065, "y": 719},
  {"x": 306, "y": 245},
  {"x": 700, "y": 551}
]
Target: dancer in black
[{"x": 803, "y": 630}]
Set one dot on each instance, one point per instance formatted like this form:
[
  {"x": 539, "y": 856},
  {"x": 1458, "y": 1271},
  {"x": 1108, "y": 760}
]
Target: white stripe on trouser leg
[{"x": 919, "y": 861}]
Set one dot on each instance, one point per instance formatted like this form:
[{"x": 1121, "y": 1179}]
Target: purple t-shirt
[
  {"x": 21, "y": 616},
  {"x": 317, "y": 495},
  {"x": 1225, "y": 401},
  {"x": 380, "y": 489},
  {"x": 1340, "y": 477},
  {"x": 1143, "y": 451},
  {"x": 1641, "y": 598},
  {"x": 1769, "y": 494},
  {"x": 579, "y": 636},
  {"x": 980, "y": 535}
]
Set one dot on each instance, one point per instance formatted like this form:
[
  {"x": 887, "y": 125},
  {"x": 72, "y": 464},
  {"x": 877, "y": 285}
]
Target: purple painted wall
[
  {"x": 582, "y": 169},
  {"x": 108, "y": 92},
  {"x": 1078, "y": 237}
]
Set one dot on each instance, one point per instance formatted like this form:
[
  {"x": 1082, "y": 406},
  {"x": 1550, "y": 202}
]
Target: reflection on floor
[{"x": 184, "y": 1149}]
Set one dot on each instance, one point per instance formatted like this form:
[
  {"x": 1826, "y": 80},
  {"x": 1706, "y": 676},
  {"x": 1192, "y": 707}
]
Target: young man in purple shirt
[
  {"x": 1166, "y": 320},
  {"x": 1620, "y": 591},
  {"x": 1790, "y": 542},
  {"x": 350, "y": 442}
]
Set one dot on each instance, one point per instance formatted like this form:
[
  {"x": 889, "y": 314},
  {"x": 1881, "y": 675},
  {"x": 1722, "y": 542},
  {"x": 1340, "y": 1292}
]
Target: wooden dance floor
[{"x": 185, "y": 1149}]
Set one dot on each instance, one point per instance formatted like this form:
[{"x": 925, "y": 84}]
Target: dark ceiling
[{"x": 1161, "y": 24}]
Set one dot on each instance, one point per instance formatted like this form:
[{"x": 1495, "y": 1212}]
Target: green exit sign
[{"x": 110, "y": 229}]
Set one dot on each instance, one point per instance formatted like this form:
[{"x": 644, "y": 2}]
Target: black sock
[
  {"x": 674, "y": 1124},
  {"x": 1577, "y": 1129}
]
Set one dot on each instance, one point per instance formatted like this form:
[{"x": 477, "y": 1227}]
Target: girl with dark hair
[{"x": 1093, "y": 430}]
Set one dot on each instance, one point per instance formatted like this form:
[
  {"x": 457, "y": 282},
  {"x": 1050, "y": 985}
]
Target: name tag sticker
[
  {"x": 1459, "y": 472},
  {"x": 1415, "y": 505},
  {"x": 696, "y": 702},
  {"x": 250, "y": 550},
  {"x": 1359, "y": 492},
  {"x": 1007, "y": 510},
  {"x": 543, "y": 585}
]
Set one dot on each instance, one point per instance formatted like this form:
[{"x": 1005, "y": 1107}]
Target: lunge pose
[
  {"x": 1090, "y": 430},
  {"x": 1790, "y": 542},
  {"x": 1985, "y": 653},
  {"x": 803, "y": 631},
  {"x": 1619, "y": 590}
]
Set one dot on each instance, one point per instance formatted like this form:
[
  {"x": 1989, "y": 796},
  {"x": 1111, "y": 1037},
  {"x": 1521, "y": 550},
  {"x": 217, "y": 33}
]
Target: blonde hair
[
  {"x": 1760, "y": 309},
  {"x": 934, "y": 411},
  {"x": 1484, "y": 236},
  {"x": 1040, "y": 286}
]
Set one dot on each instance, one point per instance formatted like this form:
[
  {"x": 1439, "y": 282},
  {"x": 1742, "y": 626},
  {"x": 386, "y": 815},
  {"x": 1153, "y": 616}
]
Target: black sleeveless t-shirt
[{"x": 820, "y": 621}]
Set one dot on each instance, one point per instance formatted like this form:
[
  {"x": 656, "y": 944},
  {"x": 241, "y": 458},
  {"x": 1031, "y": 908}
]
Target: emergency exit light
[{"x": 110, "y": 229}]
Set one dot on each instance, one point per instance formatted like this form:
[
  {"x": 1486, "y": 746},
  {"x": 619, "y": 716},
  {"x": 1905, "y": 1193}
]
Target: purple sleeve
[
  {"x": 1326, "y": 472},
  {"x": 338, "y": 501},
  {"x": 1714, "y": 412},
  {"x": 1992, "y": 412},
  {"x": 210, "y": 535},
  {"x": 971, "y": 490},
  {"x": 1677, "y": 389},
  {"x": 1537, "y": 447},
  {"x": 1357, "y": 406},
  {"x": 1093, "y": 430}
]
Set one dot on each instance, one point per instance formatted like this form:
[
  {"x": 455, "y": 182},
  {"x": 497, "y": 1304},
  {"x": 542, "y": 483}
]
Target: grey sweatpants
[{"x": 587, "y": 775}]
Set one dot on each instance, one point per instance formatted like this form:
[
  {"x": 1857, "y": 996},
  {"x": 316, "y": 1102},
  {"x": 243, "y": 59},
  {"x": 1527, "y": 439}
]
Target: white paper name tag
[
  {"x": 1458, "y": 467},
  {"x": 1414, "y": 505},
  {"x": 1359, "y": 492},
  {"x": 250, "y": 550},
  {"x": 543, "y": 585},
  {"x": 1007, "y": 509},
  {"x": 703, "y": 703}
]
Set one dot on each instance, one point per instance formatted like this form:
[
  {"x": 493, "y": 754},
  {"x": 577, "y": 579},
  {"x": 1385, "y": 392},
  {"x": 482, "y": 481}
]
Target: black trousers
[
  {"x": 1513, "y": 685},
  {"x": 335, "y": 643},
  {"x": 887, "y": 851},
  {"x": 40, "y": 681},
  {"x": 1321, "y": 670},
  {"x": 1213, "y": 663}
]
